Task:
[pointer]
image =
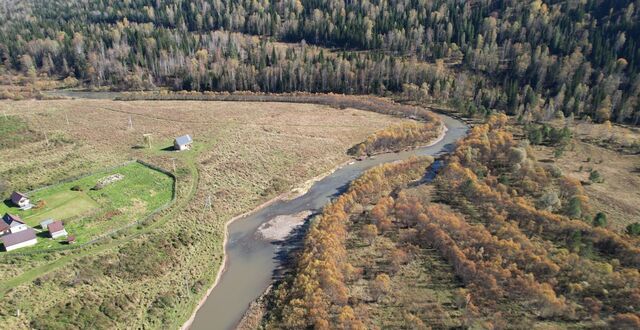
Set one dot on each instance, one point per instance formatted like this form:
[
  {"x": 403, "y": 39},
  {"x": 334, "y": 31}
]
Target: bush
[
  {"x": 77, "y": 188},
  {"x": 555, "y": 171},
  {"x": 40, "y": 204},
  {"x": 600, "y": 220},
  {"x": 595, "y": 177},
  {"x": 634, "y": 229},
  {"x": 574, "y": 209},
  {"x": 549, "y": 201}
]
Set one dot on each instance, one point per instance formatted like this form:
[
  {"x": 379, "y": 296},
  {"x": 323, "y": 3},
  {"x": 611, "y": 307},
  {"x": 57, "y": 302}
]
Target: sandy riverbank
[{"x": 299, "y": 191}]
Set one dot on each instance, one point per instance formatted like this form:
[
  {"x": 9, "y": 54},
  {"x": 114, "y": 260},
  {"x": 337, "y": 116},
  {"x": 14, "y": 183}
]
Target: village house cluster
[{"x": 16, "y": 234}]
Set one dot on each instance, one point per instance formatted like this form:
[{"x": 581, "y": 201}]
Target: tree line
[
  {"x": 522, "y": 256},
  {"x": 526, "y": 58}
]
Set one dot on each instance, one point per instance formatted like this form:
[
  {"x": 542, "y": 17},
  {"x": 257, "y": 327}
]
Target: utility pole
[
  {"x": 130, "y": 123},
  {"x": 207, "y": 203},
  {"x": 174, "y": 164},
  {"x": 46, "y": 138},
  {"x": 66, "y": 117},
  {"x": 147, "y": 139}
]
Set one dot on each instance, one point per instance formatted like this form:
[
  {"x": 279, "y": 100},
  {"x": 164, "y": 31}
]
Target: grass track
[{"x": 36, "y": 272}]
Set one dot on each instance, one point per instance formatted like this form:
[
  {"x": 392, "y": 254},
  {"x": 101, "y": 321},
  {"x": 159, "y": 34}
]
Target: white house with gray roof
[
  {"x": 183, "y": 142},
  {"x": 21, "y": 200},
  {"x": 45, "y": 223}
]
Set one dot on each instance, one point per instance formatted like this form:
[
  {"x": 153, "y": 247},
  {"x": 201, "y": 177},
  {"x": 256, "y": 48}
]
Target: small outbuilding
[
  {"x": 11, "y": 224},
  {"x": 183, "y": 142},
  {"x": 19, "y": 239},
  {"x": 45, "y": 223},
  {"x": 21, "y": 200},
  {"x": 56, "y": 229}
]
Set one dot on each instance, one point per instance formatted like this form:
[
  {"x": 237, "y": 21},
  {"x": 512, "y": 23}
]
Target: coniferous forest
[
  {"x": 527, "y": 58},
  {"x": 525, "y": 216}
]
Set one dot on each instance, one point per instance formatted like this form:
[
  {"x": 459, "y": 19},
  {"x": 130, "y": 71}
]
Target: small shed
[
  {"x": 56, "y": 229},
  {"x": 11, "y": 224},
  {"x": 20, "y": 239},
  {"x": 183, "y": 142},
  {"x": 21, "y": 200},
  {"x": 45, "y": 223},
  {"x": 71, "y": 239}
]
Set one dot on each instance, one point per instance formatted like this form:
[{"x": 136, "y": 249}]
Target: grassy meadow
[
  {"x": 152, "y": 275},
  {"x": 88, "y": 213}
]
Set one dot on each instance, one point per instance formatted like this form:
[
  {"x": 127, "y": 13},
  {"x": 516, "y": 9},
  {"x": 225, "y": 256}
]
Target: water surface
[{"x": 251, "y": 261}]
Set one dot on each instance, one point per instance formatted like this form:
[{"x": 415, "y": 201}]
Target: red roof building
[{"x": 56, "y": 229}]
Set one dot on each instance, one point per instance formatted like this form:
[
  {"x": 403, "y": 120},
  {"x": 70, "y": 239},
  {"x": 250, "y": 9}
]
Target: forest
[
  {"x": 522, "y": 239},
  {"x": 532, "y": 58}
]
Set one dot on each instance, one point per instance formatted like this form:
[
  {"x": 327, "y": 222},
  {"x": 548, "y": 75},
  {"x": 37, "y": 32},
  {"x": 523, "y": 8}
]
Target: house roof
[
  {"x": 16, "y": 223},
  {"x": 17, "y": 196},
  {"x": 46, "y": 222},
  {"x": 9, "y": 218},
  {"x": 55, "y": 227},
  {"x": 19, "y": 237},
  {"x": 182, "y": 140}
]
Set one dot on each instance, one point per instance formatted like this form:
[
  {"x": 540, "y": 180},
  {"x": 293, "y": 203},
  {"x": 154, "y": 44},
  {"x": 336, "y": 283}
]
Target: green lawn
[
  {"x": 90, "y": 213},
  {"x": 62, "y": 206}
]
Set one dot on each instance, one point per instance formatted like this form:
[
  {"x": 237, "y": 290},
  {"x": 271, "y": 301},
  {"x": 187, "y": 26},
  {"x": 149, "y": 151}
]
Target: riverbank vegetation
[
  {"x": 153, "y": 274},
  {"x": 398, "y": 137},
  {"x": 317, "y": 295},
  {"x": 498, "y": 240}
]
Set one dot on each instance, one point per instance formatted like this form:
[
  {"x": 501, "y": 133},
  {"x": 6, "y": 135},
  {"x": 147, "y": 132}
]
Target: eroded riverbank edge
[{"x": 289, "y": 195}]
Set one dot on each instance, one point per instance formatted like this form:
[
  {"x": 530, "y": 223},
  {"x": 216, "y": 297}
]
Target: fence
[{"x": 117, "y": 230}]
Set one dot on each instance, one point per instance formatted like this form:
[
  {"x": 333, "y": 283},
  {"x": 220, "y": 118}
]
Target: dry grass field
[
  {"x": 618, "y": 195},
  {"x": 244, "y": 154}
]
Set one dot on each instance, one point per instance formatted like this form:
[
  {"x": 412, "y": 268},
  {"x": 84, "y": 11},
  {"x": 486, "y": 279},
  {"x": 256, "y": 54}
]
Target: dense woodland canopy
[
  {"x": 517, "y": 233},
  {"x": 532, "y": 58}
]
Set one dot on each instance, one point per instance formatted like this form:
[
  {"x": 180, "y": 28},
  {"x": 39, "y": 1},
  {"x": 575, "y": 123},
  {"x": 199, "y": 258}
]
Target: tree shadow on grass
[{"x": 169, "y": 148}]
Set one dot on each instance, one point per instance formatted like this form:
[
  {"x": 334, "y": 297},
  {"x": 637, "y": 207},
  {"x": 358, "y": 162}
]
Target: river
[{"x": 251, "y": 261}]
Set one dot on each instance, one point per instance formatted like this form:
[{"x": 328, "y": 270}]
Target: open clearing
[
  {"x": 244, "y": 154},
  {"x": 88, "y": 213},
  {"x": 618, "y": 194}
]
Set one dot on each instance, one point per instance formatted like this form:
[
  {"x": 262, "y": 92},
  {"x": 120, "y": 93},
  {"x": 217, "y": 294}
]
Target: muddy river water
[{"x": 251, "y": 260}]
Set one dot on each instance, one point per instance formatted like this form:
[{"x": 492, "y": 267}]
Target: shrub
[
  {"x": 40, "y": 204},
  {"x": 555, "y": 171},
  {"x": 595, "y": 177},
  {"x": 380, "y": 286},
  {"x": 574, "y": 209},
  {"x": 370, "y": 232},
  {"x": 634, "y": 229},
  {"x": 600, "y": 220},
  {"x": 77, "y": 188},
  {"x": 549, "y": 201}
]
